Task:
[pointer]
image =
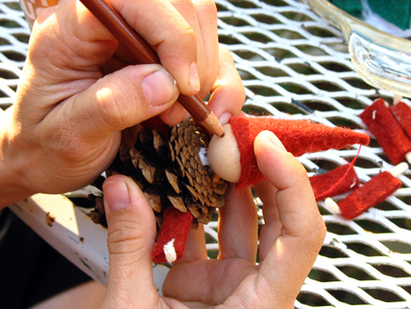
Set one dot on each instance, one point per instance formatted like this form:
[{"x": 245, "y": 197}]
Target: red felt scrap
[
  {"x": 382, "y": 123},
  {"x": 334, "y": 182},
  {"x": 369, "y": 195},
  {"x": 402, "y": 113},
  {"x": 176, "y": 225},
  {"x": 298, "y": 137}
]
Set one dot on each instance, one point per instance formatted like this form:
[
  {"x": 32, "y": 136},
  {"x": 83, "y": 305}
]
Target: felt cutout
[
  {"x": 297, "y": 136},
  {"x": 335, "y": 182},
  {"x": 173, "y": 235},
  {"x": 382, "y": 123},
  {"x": 402, "y": 113},
  {"x": 369, "y": 195}
]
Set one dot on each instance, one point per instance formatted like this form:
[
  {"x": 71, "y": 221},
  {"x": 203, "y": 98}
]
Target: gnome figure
[
  {"x": 186, "y": 192},
  {"x": 232, "y": 157}
]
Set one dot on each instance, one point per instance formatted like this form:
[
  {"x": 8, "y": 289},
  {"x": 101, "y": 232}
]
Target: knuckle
[
  {"x": 112, "y": 101},
  {"x": 124, "y": 237}
]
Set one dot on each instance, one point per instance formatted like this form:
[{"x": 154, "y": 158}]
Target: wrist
[{"x": 11, "y": 165}]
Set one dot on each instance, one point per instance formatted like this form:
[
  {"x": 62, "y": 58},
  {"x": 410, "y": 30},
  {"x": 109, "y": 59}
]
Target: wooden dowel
[{"x": 144, "y": 54}]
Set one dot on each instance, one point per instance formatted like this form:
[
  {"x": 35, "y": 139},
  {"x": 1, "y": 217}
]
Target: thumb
[
  {"x": 123, "y": 99},
  {"x": 131, "y": 236}
]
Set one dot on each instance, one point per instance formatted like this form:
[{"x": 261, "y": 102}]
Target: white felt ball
[{"x": 224, "y": 156}]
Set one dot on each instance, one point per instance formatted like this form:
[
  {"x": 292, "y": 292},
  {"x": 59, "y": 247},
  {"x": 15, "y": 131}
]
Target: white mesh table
[{"x": 293, "y": 64}]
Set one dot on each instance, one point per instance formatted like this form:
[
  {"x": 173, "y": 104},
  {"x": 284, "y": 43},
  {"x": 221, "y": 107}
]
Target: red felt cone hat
[{"x": 297, "y": 136}]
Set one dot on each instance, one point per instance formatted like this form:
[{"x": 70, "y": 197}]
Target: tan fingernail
[{"x": 159, "y": 87}]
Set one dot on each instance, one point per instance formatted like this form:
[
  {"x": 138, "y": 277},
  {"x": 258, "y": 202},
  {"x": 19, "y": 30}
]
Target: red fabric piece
[
  {"x": 402, "y": 113},
  {"x": 382, "y": 123},
  {"x": 323, "y": 184},
  {"x": 298, "y": 137},
  {"x": 369, "y": 195},
  {"x": 176, "y": 225}
]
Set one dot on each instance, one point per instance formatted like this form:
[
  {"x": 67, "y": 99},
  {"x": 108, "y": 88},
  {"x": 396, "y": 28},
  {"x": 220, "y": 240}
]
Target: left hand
[{"x": 289, "y": 243}]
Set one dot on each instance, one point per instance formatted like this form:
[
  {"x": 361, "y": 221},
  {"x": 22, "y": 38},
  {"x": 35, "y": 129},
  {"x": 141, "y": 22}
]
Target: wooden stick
[{"x": 144, "y": 54}]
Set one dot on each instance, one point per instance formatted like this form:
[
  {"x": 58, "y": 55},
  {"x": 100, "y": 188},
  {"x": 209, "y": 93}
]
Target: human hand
[
  {"x": 289, "y": 243},
  {"x": 78, "y": 91}
]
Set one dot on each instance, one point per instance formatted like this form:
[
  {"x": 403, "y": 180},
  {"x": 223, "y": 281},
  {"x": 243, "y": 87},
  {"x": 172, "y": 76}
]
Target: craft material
[
  {"x": 144, "y": 54},
  {"x": 298, "y": 137},
  {"x": 335, "y": 182},
  {"x": 402, "y": 113},
  {"x": 386, "y": 129},
  {"x": 165, "y": 164},
  {"x": 370, "y": 194},
  {"x": 173, "y": 236},
  {"x": 184, "y": 192}
]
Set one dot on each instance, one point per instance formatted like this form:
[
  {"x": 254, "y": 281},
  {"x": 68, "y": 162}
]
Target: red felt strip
[
  {"x": 402, "y": 113},
  {"x": 176, "y": 225},
  {"x": 298, "y": 137},
  {"x": 335, "y": 182},
  {"x": 382, "y": 123},
  {"x": 369, "y": 195}
]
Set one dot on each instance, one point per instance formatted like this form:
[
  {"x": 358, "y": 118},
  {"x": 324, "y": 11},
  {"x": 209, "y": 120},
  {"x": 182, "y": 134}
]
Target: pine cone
[{"x": 170, "y": 173}]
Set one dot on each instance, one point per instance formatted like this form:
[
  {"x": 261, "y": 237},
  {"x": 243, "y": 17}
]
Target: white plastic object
[
  {"x": 71, "y": 232},
  {"x": 381, "y": 59}
]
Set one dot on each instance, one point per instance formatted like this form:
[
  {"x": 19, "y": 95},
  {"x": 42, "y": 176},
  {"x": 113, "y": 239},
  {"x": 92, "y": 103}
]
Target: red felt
[
  {"x": 382, "y": 123},
  {"x": 402, "y": 113},
  {"x": 335, "y": 182},
  {"x": 298, "y": 137},
  {"x": 176, "y": 225},
  {"x": 370, "y": 194}
]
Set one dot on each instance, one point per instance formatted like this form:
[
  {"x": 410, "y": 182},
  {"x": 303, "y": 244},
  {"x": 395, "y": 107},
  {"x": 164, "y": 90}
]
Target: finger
[
  {"x": 163, "y": 27},
  {"x": 195, "y": 248},
  {"x": 118, "y": 101},
  {"x": 207, "y": 18},
  {"x": 175, "y": 114},
  {"x": 201, "y": 15},
  {"x": 294, "y": 199},
  {"x": 272, "y": 224},
  {"x": 228, "y": 94},
  {"x": 188, "y": 12},
  {"x": 131, "y": 237},
  {"x": 237, "y": 230},
  {"x": 293, "y": 253}
]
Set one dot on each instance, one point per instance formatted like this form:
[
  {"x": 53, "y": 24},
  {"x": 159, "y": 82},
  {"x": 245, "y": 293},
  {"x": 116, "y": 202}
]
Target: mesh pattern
[{"x": 293, "y": 64}]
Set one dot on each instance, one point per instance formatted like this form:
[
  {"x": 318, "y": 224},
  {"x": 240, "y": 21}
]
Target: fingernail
[
  {"x": 224, "y": 118},
  {"x": 159, "y": 87},
  {"x": 116, "y": 195},
  {"x": 194, "y": 78},
  {"x": 274, "y": 139}
]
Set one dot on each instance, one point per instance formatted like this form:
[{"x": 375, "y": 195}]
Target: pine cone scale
[{"x": 170, "y": 173}]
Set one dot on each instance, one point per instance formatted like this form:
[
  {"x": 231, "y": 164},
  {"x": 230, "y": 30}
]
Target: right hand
[{"x": 78, "y": 92}]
